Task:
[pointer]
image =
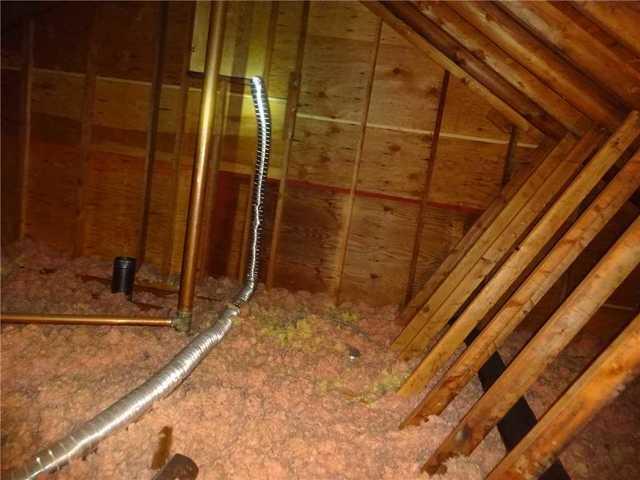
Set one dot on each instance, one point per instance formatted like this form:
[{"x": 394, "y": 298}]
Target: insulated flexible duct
[{"x": 137, "y": 402}]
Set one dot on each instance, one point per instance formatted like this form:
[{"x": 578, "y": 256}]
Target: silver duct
[{"x": 137, "y": 402}]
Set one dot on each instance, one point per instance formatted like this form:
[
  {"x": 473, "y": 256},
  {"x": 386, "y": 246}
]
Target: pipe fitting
[{"x": 182, "y": 322}]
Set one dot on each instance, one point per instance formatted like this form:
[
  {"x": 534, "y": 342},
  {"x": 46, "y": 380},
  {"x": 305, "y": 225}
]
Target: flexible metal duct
[{"x": 137, "y": 402}]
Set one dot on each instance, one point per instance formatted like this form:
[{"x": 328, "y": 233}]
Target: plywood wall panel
[
  {"x": 394, "y": 162},
  {"x": 177, "y": 34},
  {"x": 467, "y": 173},
  {"x": 312, "y": 225},
  {"x": 61, "y": 37},
  {"x": 323, "y": 152},
  {"x": 285, "y": 47},
  {"x": 441, "y": 231},
  {"x": 126, "y": 53},
  {"x": 376, "y": 266},
  {"x": 57, "y": 93},
  {"x": 10, "y": 173},
  {"x": 406, "y": 85},
  {"x": 113, "y": 202}
]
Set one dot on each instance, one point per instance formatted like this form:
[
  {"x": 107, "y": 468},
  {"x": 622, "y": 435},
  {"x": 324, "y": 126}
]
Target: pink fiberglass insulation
[{"x": 280, "y": 398}]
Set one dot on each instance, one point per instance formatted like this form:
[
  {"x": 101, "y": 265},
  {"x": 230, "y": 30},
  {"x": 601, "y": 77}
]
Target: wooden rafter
[
  {"x": 552, "y": 338},
  {"x": 546, "y": 274}
]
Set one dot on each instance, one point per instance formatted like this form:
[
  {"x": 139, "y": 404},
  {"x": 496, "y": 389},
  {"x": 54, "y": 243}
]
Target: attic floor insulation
[{"x": 299, "y": 389}]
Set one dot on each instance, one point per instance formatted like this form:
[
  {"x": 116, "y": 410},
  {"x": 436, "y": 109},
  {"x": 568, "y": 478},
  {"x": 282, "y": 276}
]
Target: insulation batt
[{"x": 278, "y": 399}]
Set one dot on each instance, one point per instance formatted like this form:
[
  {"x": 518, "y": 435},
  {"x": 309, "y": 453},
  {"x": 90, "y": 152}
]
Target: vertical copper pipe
[{"x": 196, "y": 199}]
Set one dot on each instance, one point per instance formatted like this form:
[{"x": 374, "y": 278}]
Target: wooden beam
[
  {"x": 552, "y": 69},
  {"x": 152, "y": 129},
  {"x": 453, "y": 50},
  {"x": 599, "y": 385},
  {"x": 552, "y": 338},
  {"x": 293, "y": 96},
  {"x": 618, "y": 19},
  {"x": 497, "y": 59},
  {"x": 580, "y": 47},
  {"x": 477, "y": 237},
  {"x": 342, "y": 255},
  {"x": 456, "y": 290},
  {"x": 181, "y": 116},
  {"x": 406, "y": 31},
  {"x": 546, "y": 274},
  {"x": 25, "y": 131},
  {"x": 427, "y": 184},
  {"x": 510, "y": 156},
  {"x": 523, "y": 255}
]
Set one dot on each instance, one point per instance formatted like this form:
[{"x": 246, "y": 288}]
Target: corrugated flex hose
[{"x": 133, "y": 405}]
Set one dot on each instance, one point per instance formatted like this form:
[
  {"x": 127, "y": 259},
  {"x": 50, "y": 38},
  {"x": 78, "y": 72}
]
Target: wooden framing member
[
  {"x": 410, "y": 34},
  {"x": 85, "y": 136},
  {"x": 510, "y": 156},
  {"x": 181, "y": 116},
  {"x": 600, "y": 384},
  {"x": 546, "y": 274},
  {"x": 523, "y": 255},
  {"x": 618, "y": 19},
  {"x": 475, "y": 238},
  {"x": 25, "y": 131},
  {"x": 459, "y": 287},
  {"x": 427, "y": 184},
  {"x": 550, "y": 340},
  {"x": 152, "y": 130},
  {"x": 293, "y": 95},
  {"x": 519, "y": 77},
  {"x": 342, "y": 256},
  {"x": 580, "y": 47},
  {"x": 543, "y": 62},
  {"x": 455, "y": 51}
]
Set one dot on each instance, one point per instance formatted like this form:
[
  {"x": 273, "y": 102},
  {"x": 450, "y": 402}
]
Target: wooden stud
[
  {"x": 619, "y": 19},
  {"x": 181, "y": 116},
  {"x": 501, "y": 215},
  {"x": 511, "y": 152},
  {"x": 85, "y": 136},
  {"x": 471, "y": 237},
  {"x": 550, "y": 340},
  {"x": 525, "y": 253},
  {"x": 527, "y": 50},
  {"x": 25, "y": 133},
  {"x": 293, "y": 96},
  {"x": 599, "y": 385},
  {"x": 580, "y": 46},
  {"x": 152, "y": 130},
  {"x": 342, "y": 255},
  {"x": 414, "y": 37},
  {"x": 546, "y": 274},
  {"x": 495, "y": 58},
  {"x": 427, "y": 183}
]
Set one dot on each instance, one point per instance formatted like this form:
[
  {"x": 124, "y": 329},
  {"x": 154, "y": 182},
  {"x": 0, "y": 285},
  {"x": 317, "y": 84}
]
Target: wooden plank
[
  {"x": 293, "y": 97},
  {"x": 427, "y": 187},
  {"x": 580, "y": 47},
  {"x": 543, "y": 62},
  {"x": 532, "y": 290},
  {"x": 25, "y": 134},
  {"x": 603, "y": 381},
  {"x": 406, "y": 87},
  {"x": 445, "y": 62},
  {"x": 160, "y": 38},
  {"x": 552, "y": 338},
  {"x": 525, "y": 253},
  {"x": 357, "y": 160},
  {"x": 85, "y": 141},
  {"x": 484, "y": 232},
  {"x": 517, "y": 75},
  {"x": 378, "y": 256},
  {"x": 619, "y": 19}
]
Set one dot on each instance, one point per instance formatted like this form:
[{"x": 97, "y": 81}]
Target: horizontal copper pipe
[{"x": 64, "y": 319}]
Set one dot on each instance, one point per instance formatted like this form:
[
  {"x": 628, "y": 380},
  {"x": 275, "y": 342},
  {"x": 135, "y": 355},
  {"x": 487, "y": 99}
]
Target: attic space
[{"x": 320, "y": 240}]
